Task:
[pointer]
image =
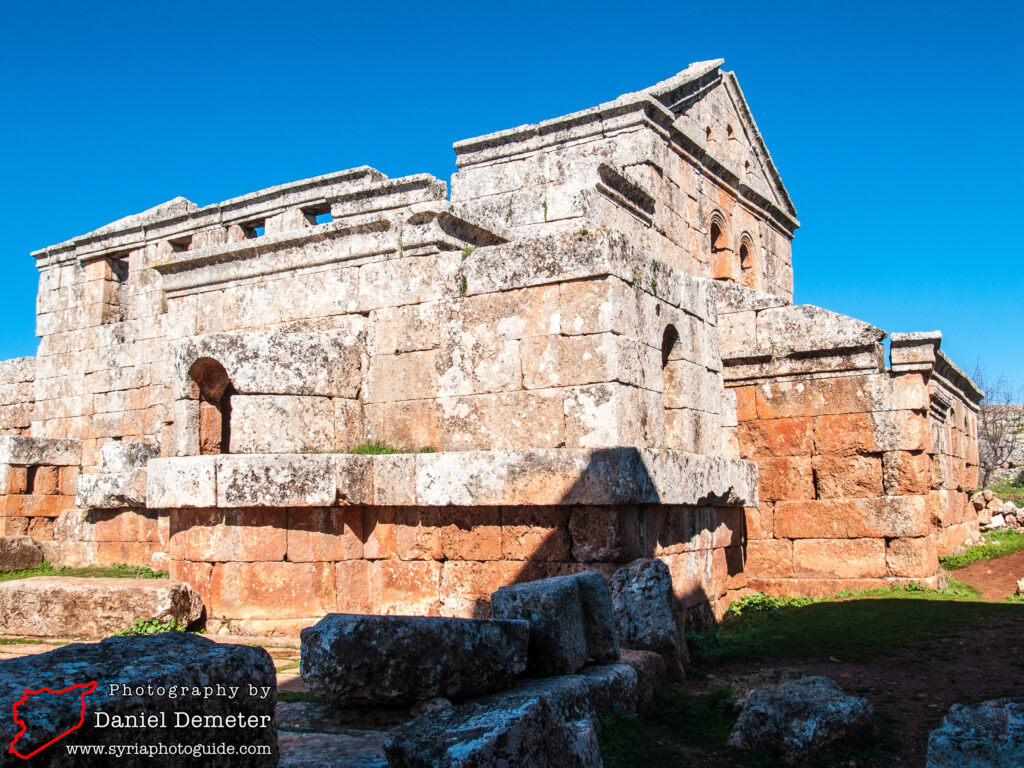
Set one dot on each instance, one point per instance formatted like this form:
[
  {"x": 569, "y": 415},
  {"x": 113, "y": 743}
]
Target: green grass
[
  {"x": 1011, "y": 489},
  {"x": 20, "y": 641},
  {"x": 996, "y": 544},
  {"x": 851, "y": 626},
  {"x": 383, "y": 449},
  {"x": 118, "y": 571},
  {"x": 150, "y": 627}
]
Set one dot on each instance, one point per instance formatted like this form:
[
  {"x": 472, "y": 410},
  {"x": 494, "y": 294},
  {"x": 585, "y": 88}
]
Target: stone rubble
[
  {"x": 796, "y": 721},
  {"x": 985, "y": 735},
  {"x": 547, "y": 722}
]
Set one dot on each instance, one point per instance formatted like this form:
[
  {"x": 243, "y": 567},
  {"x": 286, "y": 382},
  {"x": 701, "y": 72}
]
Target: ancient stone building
[{"x": 587, "y": 354}]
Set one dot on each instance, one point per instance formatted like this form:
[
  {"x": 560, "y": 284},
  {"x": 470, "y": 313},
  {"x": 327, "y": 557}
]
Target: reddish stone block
[
  {"x": 692, "y": 577},
  {"x": 604, "y": 533},
  {"x": 846, "y": 477},
  {"x": 379, "y": 540},
  {"x": 675, "y": 529},
  {"x": 905, "y": 473},
  {"x": 324, "y": 534},
  {"x": 535, "y": 533},
  {"x": 14, "y": 526},
  {"x": 769, "y": 557},
  {"x": 839, "y": 558},
  {"x": 729, "y": 530},
  {"x": 353, "y": 588},
  {"x": 760, "y": 521},
  {"x": 33, "y": 505},
  {"x": 879, "y": 517},
  {"x": 210, "y": 535},
  {"x": 912, "y": 557},
  {"x": 418, "y": 533},
  {"x": 68, "y": 481},
  {"x": 471, "y": 533},
  {"x": 813, "y": 587},
  {"x": 40, "y": 528},
  {"x": 124, "y": 552},
  {"x": 844, "y": 433},
  {"x": 411, "y": 588},
  {"x": 262, "y": 590},
  {"x": 786, "y": 477},
  {"x": 43, "y": 480},
  {"x": 776, "y": 437},
  {"x": 17, "y": 480},
  {"x": 813, "y": 397},
  {"x": 196, "y": 575},
  {"x": 746, "y": 407}
]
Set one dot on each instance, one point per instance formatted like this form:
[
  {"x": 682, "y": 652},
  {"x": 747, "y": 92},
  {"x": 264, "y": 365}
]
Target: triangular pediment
[{"x": 703, "y": 97}]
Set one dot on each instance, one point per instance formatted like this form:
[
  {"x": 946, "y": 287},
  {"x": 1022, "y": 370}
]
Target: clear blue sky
[{"x": 896, "y": 126}]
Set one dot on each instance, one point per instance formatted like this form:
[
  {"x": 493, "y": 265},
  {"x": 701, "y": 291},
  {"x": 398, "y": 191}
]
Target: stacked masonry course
[{"x": 594, "y": 336}]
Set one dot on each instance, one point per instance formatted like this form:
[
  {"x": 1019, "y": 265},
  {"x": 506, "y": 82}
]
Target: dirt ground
[
  {"x": 913, "y": 691},
  {"x": 997, "y": 579}
]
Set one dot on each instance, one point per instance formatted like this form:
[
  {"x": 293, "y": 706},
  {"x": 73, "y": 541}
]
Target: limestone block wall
[
  {"x": 17, "y": 399},
  {"x": 856, "y": 490},
  {"x": 680, "y": 169},
  {"x": 435, "y": 534},
  {"x": 267, "y": 569},
  {"x": 574, "y": 341}
]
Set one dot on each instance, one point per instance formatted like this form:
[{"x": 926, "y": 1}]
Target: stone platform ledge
[
  {"x": 540, "y": 477},
  {"x": 23, "y": 450},
  {"x": 66, "y": 606}
]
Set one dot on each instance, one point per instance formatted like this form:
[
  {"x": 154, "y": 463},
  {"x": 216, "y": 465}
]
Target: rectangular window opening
[
  {"x": 181, "y": 244},
  {"x": 119, "y": 268},
  {"x": 253, "y": 230}
]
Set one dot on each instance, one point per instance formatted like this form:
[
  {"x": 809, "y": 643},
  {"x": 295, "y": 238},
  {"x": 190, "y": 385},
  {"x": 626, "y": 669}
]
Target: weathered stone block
[
  {"x": 643, "y": 602},
  {"x": 26, "y": 451},
  {"x": 359, "y": 660},
  {"x": 185, "y": 481},
  {"x": 797, "y": 720},
  {"x": 985, "y": 735},
  {"x": 839, "y": 558},
  {"x": 274, "y": 480},
  {"x": 52, "y": 606},
  {"x": 281, "y": 424},
  {"x": 570, "y": 620},
  {"x": 18, "y": 553},
  {"x": 112, "y": 491}
]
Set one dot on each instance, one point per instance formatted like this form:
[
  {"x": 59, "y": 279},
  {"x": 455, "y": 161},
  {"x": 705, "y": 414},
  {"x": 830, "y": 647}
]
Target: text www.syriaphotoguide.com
[{"x": 155, "y": 750}]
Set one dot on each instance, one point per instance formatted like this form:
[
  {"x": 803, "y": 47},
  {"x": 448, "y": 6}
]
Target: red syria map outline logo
[{"x": 87, "y": 689}]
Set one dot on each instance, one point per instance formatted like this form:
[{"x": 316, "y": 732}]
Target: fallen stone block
[
  {"x": 174, "y": 689},
  {"x": 642, "y": 599},
  {"x": 18, "y": 553},
  {"x": 570, "y": 620},
  {"x": 985, "y": 735},
  {"x": 62, "y": 606},
  {"x": 547, "y": 722},
  {"x": 353, "y": 659},
  {"x": 798, "y": 720}
]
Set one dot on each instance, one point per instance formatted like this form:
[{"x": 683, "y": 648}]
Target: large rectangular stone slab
[
  {"x": 61, "y": 606},
  {"x": 25, "y": 450},
  {"x": 352, "y": 659},
  {"x": 276, "y": 480}
]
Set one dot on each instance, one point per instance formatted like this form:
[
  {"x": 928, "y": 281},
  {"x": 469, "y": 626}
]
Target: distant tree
[{"x": 1000, "y": 422}]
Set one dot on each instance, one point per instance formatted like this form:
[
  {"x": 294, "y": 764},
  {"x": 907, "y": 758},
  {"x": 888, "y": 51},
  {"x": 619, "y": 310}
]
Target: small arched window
[
  {"x": 212, "y": 387},
  {"x": 748, "y": 264},
  {"x": 722, "y": 258}
]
